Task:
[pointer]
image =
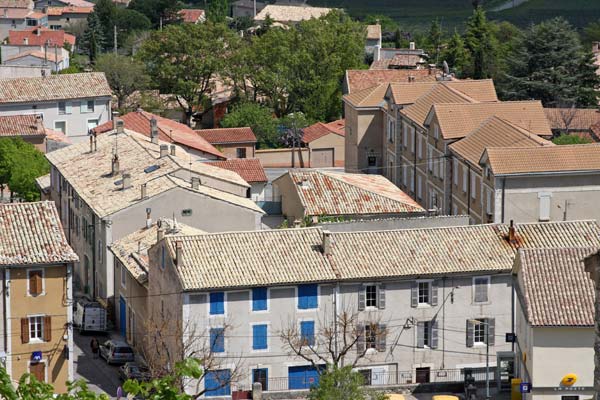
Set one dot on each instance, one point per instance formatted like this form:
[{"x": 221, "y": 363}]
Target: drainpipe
[
  {"x": 336, "y": 293},
  {"x": 414, "y": 146},
  {"x": 512, "y": 306}
]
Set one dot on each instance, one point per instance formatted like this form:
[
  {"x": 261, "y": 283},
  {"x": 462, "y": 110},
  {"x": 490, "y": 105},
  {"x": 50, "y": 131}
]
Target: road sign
[
  {"x": 525, "y": 387},
  {"x": 511, "y": 337}
]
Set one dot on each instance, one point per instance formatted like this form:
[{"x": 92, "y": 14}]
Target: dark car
[
  {"x": 116, "y": 352},
  {"x": 135, "y": 371}
]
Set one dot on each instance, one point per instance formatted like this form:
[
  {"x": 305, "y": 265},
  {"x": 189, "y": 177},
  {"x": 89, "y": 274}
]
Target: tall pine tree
[
  {"x": 93, "y": 38},
  {"x": 218, "y": 11},
  {"x": 482, "y": 45},
  {"x": 456, "y": 55}
]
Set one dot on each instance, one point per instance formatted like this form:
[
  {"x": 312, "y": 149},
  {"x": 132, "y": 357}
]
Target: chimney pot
[
  {"x": 512, "y": 234},
  {"x": 148, "y": 212},
  {"x": 178, "y": 252},
  {"x": 126, "y": 180},
  {"x": 120, "y": 126},
  {"x": 173, "y": 150},
  {"x": 164, "y": 150},
  {"x": 195, "y": 182},
  {"x": 327, "y": 242},
  {"x": 411, "y": 45},
  {"x": 154, "y": 130},
  {"x": 144, "y": 191}
]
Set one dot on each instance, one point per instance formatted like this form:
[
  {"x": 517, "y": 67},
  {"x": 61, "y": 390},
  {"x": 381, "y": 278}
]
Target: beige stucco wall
[
  {"x": 364, "y": 137},
  {"x": 282, "y": 158},
  {"x": 230, "y": 150},
  {"x": 136, "y": 298},
  {"x": 331, "y": 141},
  {"x": 52, "y": 303},
  {"x": 291, "y": 207}
]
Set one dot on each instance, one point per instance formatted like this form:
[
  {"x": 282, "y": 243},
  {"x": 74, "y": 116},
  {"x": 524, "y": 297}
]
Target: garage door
[
  {"x": 302, "y": 377},
  {"x": 321, "y": 158}
]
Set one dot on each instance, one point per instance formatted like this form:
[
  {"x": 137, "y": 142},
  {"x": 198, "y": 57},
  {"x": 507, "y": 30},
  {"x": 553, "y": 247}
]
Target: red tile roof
[
  {"x": 21, "y": 125},
  {"x": 228, "y": 135},
  {"x": 168, "y": 131},
  {"x": 191, "y": 15},
  {"x": 250, "y": 169},
  {"x": 38, "y": 36},
  {"x": 320, "y": 129},
  {"x": 359, "y": 79},
  {"x": 57, "y": 11}
]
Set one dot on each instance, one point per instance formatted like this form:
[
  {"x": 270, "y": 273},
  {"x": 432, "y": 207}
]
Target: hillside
[{"x": 419, "y": 13}]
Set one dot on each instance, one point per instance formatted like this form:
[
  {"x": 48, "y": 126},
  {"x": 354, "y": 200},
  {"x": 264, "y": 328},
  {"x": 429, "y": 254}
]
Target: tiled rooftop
[
  {"x": 250, "y": 169},
  {"x": 576, "y": 118},
  {"x": 50, "y": 56},
  {"x": 555, "y": 288},
  {"x": 227, "y": 135},
  {"x": 324, "y": 193},
  {"x": 359, "y": 79},
  {"x": 57, "y": 11},
  {"x": 54, "y": 87},
  {"x": 31, "y": 233},
  {"x": 21, "y": 125},
  {"x": 39, "y": 36},
  {"x": 320, "y": 129},
  {"x": 191, "y": 15},
  {"x": 374, "y": 32},
  {"x": 230, "y": 260},
  {"x": 291, "y": 13}
]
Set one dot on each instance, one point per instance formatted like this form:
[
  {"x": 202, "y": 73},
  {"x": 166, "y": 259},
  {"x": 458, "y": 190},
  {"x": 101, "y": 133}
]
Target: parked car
[
  {"x": 116, "y": 352},
  {"x": 132, "y": 370}
]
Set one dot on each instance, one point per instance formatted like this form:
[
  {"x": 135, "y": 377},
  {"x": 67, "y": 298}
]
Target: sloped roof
[
  {"x": 57, "y": 11},
  {"x": 546, "y": 159},
  {"x": 78, "y": 3},
  {"x": 227, "y": 135},
  {"x": 43, "y": 182},
  {"x": 373, "y": 96},
  {"x": 39, "y": 36},
  {"x": 16, "y": 4},
  {"x": 359, "y": 79},
  {"x": 320, "y": 129},
  {"x": 579, "y": 119},
  {"x": 54, "y": 87},
  {"x": 32, "y": 234},
  {"x": 555, "y": 288},
  {"x": 480, "y": 90},
  {"x": 50, "y": 56},
  {"x": 291, "y": 13},
  {"x": 168, "y": 131},
  {"x": 21, "y": 125},
  {"x": 238, "y": 259},
  {"x": 457, "y": 120},
  {"x": 494, "y": 132},
  {"x": 324, "y": 193},
  {"x": 191, "y": 15},
  {"x": 250, "y": 169},
  {"x": 374, "y": 32}
]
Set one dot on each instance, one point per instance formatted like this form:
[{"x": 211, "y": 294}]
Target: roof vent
[
  {"x": 164, "y": 150},
  {"x": 173, "y": 150},
  {"x": 195, "y": 182},
  {"x": 154, "y": 130},
  {"x": 144, "y": 191}
]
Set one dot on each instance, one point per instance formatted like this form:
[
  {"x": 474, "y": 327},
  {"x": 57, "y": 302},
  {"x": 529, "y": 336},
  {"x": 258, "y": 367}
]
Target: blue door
[
  {"x": 217, "y": 383},
  {"x": 123, "y": 316},
  {"x": 302, "y": 377}
]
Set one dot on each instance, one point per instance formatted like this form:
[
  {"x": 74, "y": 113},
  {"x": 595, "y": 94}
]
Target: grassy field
[{"x": 413, "y": 14}]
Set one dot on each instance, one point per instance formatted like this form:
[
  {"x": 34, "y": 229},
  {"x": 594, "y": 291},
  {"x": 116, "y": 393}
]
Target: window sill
[
  {"x": 36, "y": 295},
  {"x": 479, "y": 345},
  {"x": 481, "y": 303},
  {"x": 36, "y": 341},
  {"x": 424, "y": 305}
]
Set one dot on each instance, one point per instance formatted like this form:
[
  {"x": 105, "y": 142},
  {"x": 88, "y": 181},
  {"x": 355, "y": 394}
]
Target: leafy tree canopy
[
  {"x": 571, "y": 139},
  {"x": 257, "y": 117},
  {"x": 125, "y": 75},
  {"x": 20, "y": 164}
]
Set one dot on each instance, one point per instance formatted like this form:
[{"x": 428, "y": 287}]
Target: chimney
[
  {"x": 95, "y": 142},
  {"x": 164, "y": 150},
  {"x": 115, "y": 165},
  {"x": 297, "y": 223},
  {"x": 178, "y": 252},
  {"x": 25, "y": 41},
  {"x": 39, "y": 123},
  {"x": 148, "y": 214},
  {"x": 144, "y": 193},
  {"x": 327, "y": 242},
  {"x": 160, "y": 234},
  {"x": 195, "y": 182},
  {"x": 120, "y": 126},
  {"x": 512, "y": 233},
  {"x": 411, "y": 46},
  {"x": 173, "y": 148},
  {"x": 126, "y": 180},
  {"x": 154, "y": 131},
  {"x": 91, "y": 143},
  {"x": 377, "y": 53},
  {"x": 431, "y": 68}
]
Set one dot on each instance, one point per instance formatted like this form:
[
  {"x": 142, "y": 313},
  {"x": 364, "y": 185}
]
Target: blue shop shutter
[
  {"x": 307, "y": 332},
  {"x": 259, "y": 337},
  {"x": 307, "y": 297},
  {"x": 259, "y": 299},
  {"x": 217, "y": 303}
]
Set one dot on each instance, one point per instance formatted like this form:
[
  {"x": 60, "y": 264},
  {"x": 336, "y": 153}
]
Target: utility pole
[
  {"x": 115, "y": 35},
  {"x": 254, "y": 8},
  {"x": 487, "y": 361},
  {"x": 56, "y": 59}
]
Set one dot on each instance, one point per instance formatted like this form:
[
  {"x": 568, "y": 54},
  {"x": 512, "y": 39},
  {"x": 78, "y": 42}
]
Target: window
[
  {"x": 261, "y": 375},
  {"x": 217, "y": 303},
  {"x": 455, "y": 172},
  {"x": 465, "y": 179},
  {"x": 424, "y": 293},
  {"x": 390, "y": 131},
  {"x": 87, "y": 106},
  {"x": 424, "y": 334},
  {"x": 307, "y": 297},
  {"x": 217, "y": 383},
  {"x": 419, "y": 147},
  {"x": 436, "y": 132},
  {"x": 488, "y": 206},
  {"x": 100, "y": 250},
  {"x": 36, "y": 328},
  {"x": 371, "y": 336},
  {"x": 241, "y": 152},
  {"x": 479, "y": 332},
  {"x": 32, "y": 22},
  {"x": 544, "y": 206},
  {"x": 163, "y": 257},
  {"x": 374, "y": 337},
  {"x": 259, "y": 337},
  {"x": 480, "y": 289},
  {"x": 371, "y": 296},
  {"x": 60, "y": 126},
  {"x": 412, "y": 181},
  {"x": 424, "y": 290},
  {"x": 371, "y": 161},
  {"x": 473, "y": 185},
  {"x": 186, "y": 212},
  {"x": 404, "y": 173},
  {"x": 217, "y": 340},
  {"x": 405, "y": 135},
  {"x": 454, "y": 209},
  {"x": 36, "y": 282},
  {"x": 62, "y": 107},
  {"x": 429, "y": 159},
  {"x": 412, "y": 139},
  {"x": 123, "y": 276},
  {"x": 259, "y": 299},
  {"x": 307, "y": 333}
]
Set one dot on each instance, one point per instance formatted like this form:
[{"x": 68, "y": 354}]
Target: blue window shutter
[
  {"x": 217, "y": 303},
  {"x": 259, "y": 337},
  {"x": 307, "y": 296},
  {"x": 217, "y": 383},
  {"x": 217, "y": 340},
  {"x": 307, "y": 332},
  {"x": 259, "y": 299}
]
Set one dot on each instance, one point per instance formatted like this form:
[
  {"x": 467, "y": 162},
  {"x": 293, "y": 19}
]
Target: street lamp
[{"x": 487, "y": 354}]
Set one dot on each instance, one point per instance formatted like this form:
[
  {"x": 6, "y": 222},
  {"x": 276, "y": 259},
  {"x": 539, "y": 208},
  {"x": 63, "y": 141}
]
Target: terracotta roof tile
[
  {"x": 524, "y": 160},
  {"x": 480, "y": 90},
  {"x": 21, "y": 125},
  {"x": 168, "y": 131},
  {"x": 374, "y": 32},
  {"x": 54, "y": 87},
  {"x": 494, "y": 132},
  {"x": 320, "y": 129},
  {"x": 250, "y": 169},
  {"x": 57, "y": 11},
  {"x": 227, "y": 135},
  {"x": 291, "y": 13},
  {"x": 32, "y": 234},
  {"x": 191, "y": 15},
  {"x": 373, "y": 96},
  {"x": 39, "y": 36},
  {"x": 16, "y": 4},
  {"x": 359, "y": 79},
  {"x": 579, "y": 119},
  {"x": 324, "y": 193},
  {"x": 555, "y": 288}
]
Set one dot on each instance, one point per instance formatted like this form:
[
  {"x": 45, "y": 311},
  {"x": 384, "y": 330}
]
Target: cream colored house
[
  {"x": 555, "y": 323},
  {"x": 325, "y": 142}
]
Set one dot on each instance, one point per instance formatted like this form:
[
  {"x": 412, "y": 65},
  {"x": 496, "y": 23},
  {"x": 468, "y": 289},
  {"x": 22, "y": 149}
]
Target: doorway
[{"x": 423, "y": 375}]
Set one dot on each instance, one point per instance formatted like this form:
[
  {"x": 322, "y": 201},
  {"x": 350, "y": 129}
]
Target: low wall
[{"x": 282, "y": 158}]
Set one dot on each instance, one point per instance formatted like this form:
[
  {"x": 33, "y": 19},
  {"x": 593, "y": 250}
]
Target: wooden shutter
[
  {"x": 381, "y": 296},
  {"x": 491, "y": 331},
  {"x": 434, "y": 334},
  {"x": 38, "y": 282},
  {"x": 38, "y": 370},
  {"x": 24, "y": 330},
  {"x": 381, "y": 337},
  {"x": 35, "y": 283},
  {"x": 47, "y": 328},
  {"x": 361, "y": 298},
  {"x": 420, "y": 334},
  {"x": 434, "y": 293},
  {"x": 470, "y": 331},
  {"x": 360, "y": 341},
  {"x": 414, "y": 295}
]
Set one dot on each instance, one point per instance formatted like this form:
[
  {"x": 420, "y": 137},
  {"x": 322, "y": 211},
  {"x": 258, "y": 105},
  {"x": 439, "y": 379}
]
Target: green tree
[
  {"x": 571, "y": 139},
  {"x": 157, "y": 11},
  {"x": 481, "y": 44},
  {"x": 106, "y": 11},
  {"x": 257, "y": 117},
  {"x": 93, "y": 37},
  {"x": 20, "y": 164},
  {"x": 591, "y": 33},
  {"x": 342, "y": 383},
  {"x": 183, "y": 60},
  {"x": 129, "y": 21},
  {"x": 125, "y": 75},
  {"x": 218, "y": 11},
  {"x": 387, "y": 23},
  {"x": 550, "y": 65},
  {"x": 434, "y": 41},
  {"x": 456, "y": 55}
]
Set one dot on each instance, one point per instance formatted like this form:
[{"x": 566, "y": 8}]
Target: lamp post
[{"x": 487, "y": 355}]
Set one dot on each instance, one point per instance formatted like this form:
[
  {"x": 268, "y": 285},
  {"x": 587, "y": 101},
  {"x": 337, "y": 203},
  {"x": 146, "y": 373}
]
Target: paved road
[{"x": 101, "y": 377}]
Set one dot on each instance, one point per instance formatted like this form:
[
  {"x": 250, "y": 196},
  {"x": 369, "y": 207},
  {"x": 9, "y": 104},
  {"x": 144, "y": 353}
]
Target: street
[{"x": 101, "y": 377}]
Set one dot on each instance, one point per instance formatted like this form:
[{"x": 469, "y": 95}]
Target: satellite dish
[{"x": 446, "y": 68}]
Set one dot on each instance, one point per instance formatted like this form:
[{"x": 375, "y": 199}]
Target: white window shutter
[
  {"x": 544, "y": 198},
  {"x": 68, "y": 107}
]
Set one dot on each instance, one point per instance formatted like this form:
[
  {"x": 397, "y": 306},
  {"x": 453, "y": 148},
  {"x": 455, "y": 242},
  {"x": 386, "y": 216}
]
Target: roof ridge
[
  {"x": 257, "y": 232},
  {"x": 462, "y": 94}
]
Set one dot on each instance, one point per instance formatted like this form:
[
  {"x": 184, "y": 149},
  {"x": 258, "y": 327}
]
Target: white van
[{"x": 90, "y": 316}]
